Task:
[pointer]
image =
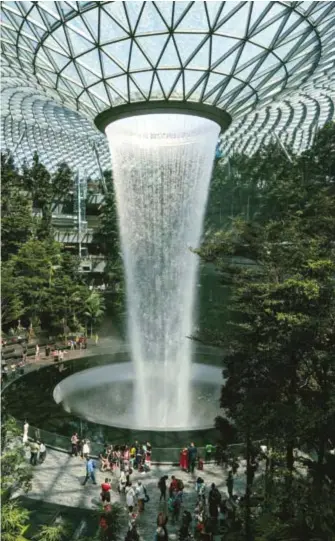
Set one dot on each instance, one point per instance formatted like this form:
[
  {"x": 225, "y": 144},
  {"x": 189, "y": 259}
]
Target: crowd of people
[{"x": 212, "y": 513}]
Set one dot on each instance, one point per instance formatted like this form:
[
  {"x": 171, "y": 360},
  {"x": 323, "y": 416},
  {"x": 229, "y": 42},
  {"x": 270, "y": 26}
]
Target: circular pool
[
  {"x": 105, "y": 395},
  {"x": 62, "y": 398}
]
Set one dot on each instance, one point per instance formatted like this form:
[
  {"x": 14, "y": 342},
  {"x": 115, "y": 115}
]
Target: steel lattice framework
[{"x": 270, "y": 65}]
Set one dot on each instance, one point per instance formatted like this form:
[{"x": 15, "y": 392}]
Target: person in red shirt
[
  {"x": 173, "y": 485},
  {"x": 106, "y": 487}
]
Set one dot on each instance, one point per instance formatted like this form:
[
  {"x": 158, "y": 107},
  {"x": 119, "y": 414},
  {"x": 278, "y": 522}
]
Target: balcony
[
  {"x": 92, "y": 263},
  {"x": 72, "y": 236}
]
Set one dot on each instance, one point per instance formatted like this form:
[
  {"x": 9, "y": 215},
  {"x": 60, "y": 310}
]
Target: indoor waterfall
[{"x": 162, "y": 166}]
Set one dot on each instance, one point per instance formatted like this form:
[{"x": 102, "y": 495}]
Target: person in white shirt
[
  {"x": 140, "y": 494},
  {"x": 86, "y": 449},
  {"x": 43, "y": 452},
  {"x": 130, "y": 497},
  {"x": 25, "y": 432},
  {"x": 122, "y": 481}
]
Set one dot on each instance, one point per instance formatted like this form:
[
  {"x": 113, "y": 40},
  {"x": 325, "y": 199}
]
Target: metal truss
[{"x": 269, "y": 65}]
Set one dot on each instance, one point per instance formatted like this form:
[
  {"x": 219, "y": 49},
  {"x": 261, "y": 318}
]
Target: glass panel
[
  {"x": 165, "y": 9},
  {"x": 201, "y": 59},
  {"x": 236, "y": 25},
  {"x": 156, "y": 91},
  {"x": 133, "y": 10},
  {"x": 116, "y": 10},
  {"x": 187, "y": 43},
  {"x": 91, "y": 61},
  {"x": 153, "y": 46},
  {"x": 150, "y": 20},
  {"x": 195, "y": 19},
  {"x": 137, "y": 59},
  {"x": 109, "y": 67},
  {"x": 100, "y": 91},
  {"x": 170, "y": 58},
  {"x": 120, "y": 85},
  {"x": 143, "y": 80},
  {"x": 119, "y": 51}
]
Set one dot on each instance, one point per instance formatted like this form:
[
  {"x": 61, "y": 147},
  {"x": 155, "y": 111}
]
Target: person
[
  {"x": 61, "y": 355},
  {"x": 140, "y": 494},
  {"x": 132, "y": 533},
  {"x": 173, "y": 485},
  {"x": 80, "y": 447},
  {"x": 162, "y": 487},
  {"x": 37, "y": 352},
  {"x": 214, "y": 500},
  {"x": 148, "y": 450},
  {"x": 223, "y": 515},
  {"x": 162, "y": 521},
  {"x": 130, "y": 497},
  {"x": 132, "y": 455},
  {"x": 209, "y": 450},
  {"x": 186, "y": 521},
  {"x": 74, "y": 444},
  {"x": 106, "y": 487},
  {"x": 25, "y": 432},
  {"x": 90, "y": 474},
  {"x": 47, "y": 350},
  {"x": 34, "y": 450},
  {"x": 253, "y": 468},
  {"x": 122, "y": 481},
  {"x": 139, "y": 457},
  {"x": 192, "y": 457},
  {"x": 183, "y": 463},
  {"x": 96, "y": 339},
  {"x": 230, "y": 484},
  {"x": 43, "y": 452},
  {"x": 174, "y": 505},
  {"x": 200, "y": 489},
  {"x": 86, "y": 449},
  {"x": 161, "y": 534}
]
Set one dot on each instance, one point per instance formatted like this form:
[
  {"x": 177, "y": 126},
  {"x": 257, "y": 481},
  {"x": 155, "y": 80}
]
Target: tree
[
  {"x": 13, "y": 522},
  {"x": 14, "y": 475},
  {"x": 37, "y": 181},
  {"x": 54, "y": 532},
  {"x": 12, "y": 307},
  {"x": 279, "y": 340},
  {"x": 108, "y": 240},
  {"x": 17, "y": 223},
  {"x": 95, "y": 308}
]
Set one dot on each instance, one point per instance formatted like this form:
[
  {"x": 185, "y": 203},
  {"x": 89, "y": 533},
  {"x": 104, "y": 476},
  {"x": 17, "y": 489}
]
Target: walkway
[{"x": 58, "y": 480}]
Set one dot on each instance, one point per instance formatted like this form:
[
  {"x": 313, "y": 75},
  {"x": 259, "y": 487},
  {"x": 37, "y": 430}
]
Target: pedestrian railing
[{"x": 160, "y": 455}]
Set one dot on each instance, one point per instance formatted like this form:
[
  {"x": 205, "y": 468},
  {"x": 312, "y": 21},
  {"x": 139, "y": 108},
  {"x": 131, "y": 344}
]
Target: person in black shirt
[{"x": 162, "y": 487}]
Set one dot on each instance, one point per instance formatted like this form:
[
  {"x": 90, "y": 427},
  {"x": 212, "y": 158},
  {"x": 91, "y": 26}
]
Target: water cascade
[{"x": 162, "y": 166}]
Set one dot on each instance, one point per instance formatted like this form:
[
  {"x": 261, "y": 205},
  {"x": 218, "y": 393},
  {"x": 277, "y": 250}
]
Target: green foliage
[
  {"x": 15, "y": 473},
  {"x": 108, "y": 241},
  {"x": 54, "y": 532},
  {"x": 17, "y": 223},
  {"x": 94, "y": 308},
  {"x": 40, "y": 280},
  {"x": 277, "y": 258},
  {"x": 13, "y": 521},
  {"x": 12, "y": 306}
]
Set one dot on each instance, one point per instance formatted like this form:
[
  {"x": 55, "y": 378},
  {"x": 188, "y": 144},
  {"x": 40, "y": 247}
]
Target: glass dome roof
[{"x": 246, "y": 58}]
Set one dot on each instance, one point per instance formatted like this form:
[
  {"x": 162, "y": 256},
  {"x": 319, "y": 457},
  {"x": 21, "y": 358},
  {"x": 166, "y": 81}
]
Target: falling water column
[{"x": 162, "y": 167}]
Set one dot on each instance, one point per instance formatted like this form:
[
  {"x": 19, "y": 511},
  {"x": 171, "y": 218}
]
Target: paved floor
[{"x": 58, "y": 480}]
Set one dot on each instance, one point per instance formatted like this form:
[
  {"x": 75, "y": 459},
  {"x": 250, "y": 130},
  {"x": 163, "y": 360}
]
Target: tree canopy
[{"x": 278, "y": 330}]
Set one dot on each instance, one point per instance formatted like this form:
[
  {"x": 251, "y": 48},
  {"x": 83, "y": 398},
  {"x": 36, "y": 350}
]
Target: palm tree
[
  {"x": 13, "y": 522},
  {"x": 95, "y": 308},
  {"x": 54, "y": 532}
]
